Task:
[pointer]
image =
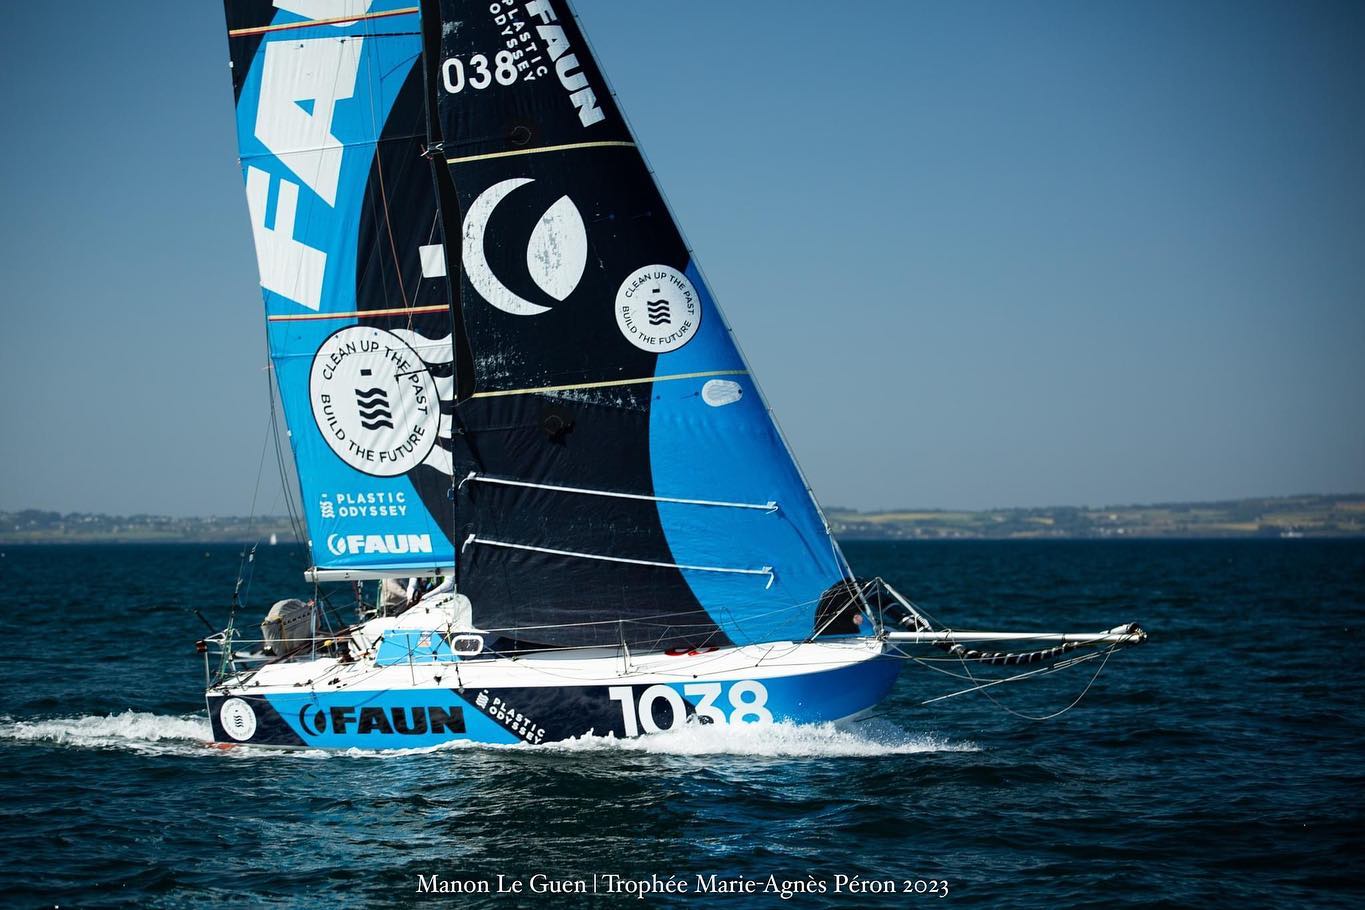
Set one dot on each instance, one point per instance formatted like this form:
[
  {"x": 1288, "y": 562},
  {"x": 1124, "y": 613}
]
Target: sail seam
[
  {"x": 770, "y": 506},
  {"x": 609, "y": 383},
  {"x": 309, "y": 23},
  {"x": 766, "y": 570},
  {"x": 606, "y": 143}
]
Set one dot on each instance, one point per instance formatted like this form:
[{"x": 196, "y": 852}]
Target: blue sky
[{"x": 979, "y": 254}]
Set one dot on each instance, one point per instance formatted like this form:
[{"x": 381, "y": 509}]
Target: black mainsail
[{"x": 619, "y": 475}]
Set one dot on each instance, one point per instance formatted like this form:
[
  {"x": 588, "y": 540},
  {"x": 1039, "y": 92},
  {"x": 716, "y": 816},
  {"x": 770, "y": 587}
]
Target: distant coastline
[{"x": 1275, "y": 517}]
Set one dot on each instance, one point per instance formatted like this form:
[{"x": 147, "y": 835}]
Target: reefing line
[
  {"x": 609, "y": 383},
  {"x": 769, "y": 506},
  {"x": 766, "y": 570}
]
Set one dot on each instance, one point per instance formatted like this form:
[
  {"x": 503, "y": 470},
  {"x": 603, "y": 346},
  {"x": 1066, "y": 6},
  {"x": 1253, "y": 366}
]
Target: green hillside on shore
[{"x": 1286, "y": 516}]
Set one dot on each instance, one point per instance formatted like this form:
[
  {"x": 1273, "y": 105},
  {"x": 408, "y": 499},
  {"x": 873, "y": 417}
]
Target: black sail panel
[{"x": 575, "y": 432}]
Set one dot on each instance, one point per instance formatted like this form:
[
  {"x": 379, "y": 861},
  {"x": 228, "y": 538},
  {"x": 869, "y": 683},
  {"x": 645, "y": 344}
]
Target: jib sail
[
  {"x": 331, "y": 125},
  {"x": 619, "y": 475}
]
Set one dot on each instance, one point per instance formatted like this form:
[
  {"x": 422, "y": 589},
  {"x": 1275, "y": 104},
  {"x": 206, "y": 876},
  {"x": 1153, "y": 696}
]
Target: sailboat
[{"x": 501, "y": 370}]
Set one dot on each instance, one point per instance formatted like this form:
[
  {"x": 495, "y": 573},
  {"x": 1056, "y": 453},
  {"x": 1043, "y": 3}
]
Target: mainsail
[
  {"x": 331, "y": 125},
  {"x": 494, "y": 348},
  {"x": 619, "y": 475}
]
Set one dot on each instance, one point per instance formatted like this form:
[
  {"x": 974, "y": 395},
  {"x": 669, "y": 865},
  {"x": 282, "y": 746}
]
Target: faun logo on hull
[{"x": 418, "y": 721}]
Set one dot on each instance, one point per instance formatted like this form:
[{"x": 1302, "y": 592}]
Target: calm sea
[{"x": 1219, "y": 765}]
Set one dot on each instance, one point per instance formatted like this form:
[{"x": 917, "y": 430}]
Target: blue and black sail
[
  {"x": 619, "y": 476},
  {"x": 493, "y": 347},
  {"x": 332, "y": 127}
]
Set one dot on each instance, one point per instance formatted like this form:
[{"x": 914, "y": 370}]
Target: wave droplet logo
[
  {"x": 373, "y": 408},
  {"x": 238, "y": 719}
]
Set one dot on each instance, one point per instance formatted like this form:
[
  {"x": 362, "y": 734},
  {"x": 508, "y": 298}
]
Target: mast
[{"x": 448, "y": 203}]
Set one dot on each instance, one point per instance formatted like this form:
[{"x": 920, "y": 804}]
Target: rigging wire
[
  {"x": 247, "y": 556},
  {"x": 1041, "y": 671},
  {"x": 1107, "y": 653},
  {"x": 291, "y": 508}
]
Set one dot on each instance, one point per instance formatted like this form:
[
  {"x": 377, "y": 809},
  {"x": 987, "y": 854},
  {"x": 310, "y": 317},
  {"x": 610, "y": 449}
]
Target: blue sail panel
[
  {"x": 712, "y": 432},
  {"x": 331, "y": 133}
]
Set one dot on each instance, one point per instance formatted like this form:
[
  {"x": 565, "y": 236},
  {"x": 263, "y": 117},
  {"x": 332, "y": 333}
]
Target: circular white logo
[
  {"x": 238, "y": 719},
  {"x": 374, "y": 401},
  {"x": 657, "y": 309}
]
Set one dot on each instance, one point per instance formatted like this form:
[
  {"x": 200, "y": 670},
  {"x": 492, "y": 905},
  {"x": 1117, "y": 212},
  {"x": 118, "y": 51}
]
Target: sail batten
[
  {"x": 766, "y": 571},
  {"x": 511, "y": 153}
]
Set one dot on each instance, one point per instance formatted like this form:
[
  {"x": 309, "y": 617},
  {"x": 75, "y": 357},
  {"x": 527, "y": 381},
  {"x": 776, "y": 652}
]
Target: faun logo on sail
[
  {"x": 524, "y": 57},
  {"x": 382, "y": 544}
]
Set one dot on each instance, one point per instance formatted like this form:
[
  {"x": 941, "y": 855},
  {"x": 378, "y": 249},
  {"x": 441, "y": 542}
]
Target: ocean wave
[
  {"x": 138, "y": 731},
  {"x": 779, "y": 740}
]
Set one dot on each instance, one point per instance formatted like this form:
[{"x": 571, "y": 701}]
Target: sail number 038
[
  {"x": 481, "y": 74},
  {"x": 748, "y": 700}
]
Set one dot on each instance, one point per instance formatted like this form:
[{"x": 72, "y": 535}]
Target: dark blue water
[{"x": 1218, "y": 765}]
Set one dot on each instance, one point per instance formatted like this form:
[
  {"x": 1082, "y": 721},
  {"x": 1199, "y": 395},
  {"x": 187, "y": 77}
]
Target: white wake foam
[
  {"x": 161, "y": 734},
  {"x": 784, "y": 740},
  {"x": 132, "y": 730}
]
